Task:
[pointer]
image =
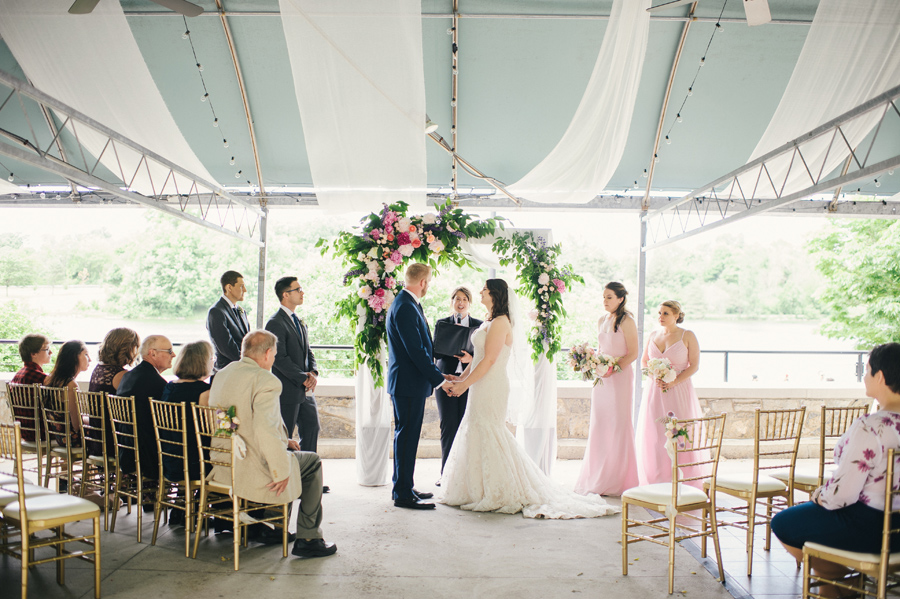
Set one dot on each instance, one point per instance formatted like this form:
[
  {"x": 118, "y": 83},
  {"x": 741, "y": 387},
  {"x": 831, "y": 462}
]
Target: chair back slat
[
  {"x": 777, "y": 438},
  {"x": 701, "y": 448},
  {"x": 834, "y": 422},
  {"x": 215, "y": 449},
  {"x": 171, "y": 432},
  {"x": 92, "y": 405},
  {"x": 25, "y": 403},
  {"x": 11, "y": 454}
]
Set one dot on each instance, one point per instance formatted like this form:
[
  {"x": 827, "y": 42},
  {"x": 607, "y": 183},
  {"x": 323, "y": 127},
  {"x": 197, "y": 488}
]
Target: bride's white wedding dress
[{"x": 487, "y": 471}]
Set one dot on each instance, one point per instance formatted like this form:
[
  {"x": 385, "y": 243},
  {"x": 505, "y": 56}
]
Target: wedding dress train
[{"x": 487, "y": 470}]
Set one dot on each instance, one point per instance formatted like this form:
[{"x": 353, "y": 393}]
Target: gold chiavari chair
[
  {"x": 776, "y": 440},
  {"x": 39, "y": 510},
  {"x": 834, "y": 422},
  {"x": 133, "y": 485},
  {"x": 169, "y": 421},
  {"x": 219, "y": 500},
  {"x": 66, "y": 458},
  {"x": 25, "y": 405},
  {"x": 679, "y": 499},
  {"x": 879, "y": 566},
  {"x": 98, "y": 459}
]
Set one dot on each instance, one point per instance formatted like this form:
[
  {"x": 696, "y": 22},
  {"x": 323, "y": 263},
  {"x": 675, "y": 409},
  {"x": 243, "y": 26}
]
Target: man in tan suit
[{"x": 274, "y": 468}]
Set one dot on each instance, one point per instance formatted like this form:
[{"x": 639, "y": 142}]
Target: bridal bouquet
[
  {"x": 660, "y": 369},
  {"x": 592, "y": 364},
  {"x": 226, "y": 421}
]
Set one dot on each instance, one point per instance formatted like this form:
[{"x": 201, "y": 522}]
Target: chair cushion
[
  {"x": 744, "y": 482},
  {"x": 803, "y": 476},
  {"x": 60, "y": 450},
  {"x": 10, "y": 493},
  {"x": 661, "y": 494},
  {"x": 872, "y": 558},
  {"x": 5, "y": 479},
  {"x": 48, "y": 507}
]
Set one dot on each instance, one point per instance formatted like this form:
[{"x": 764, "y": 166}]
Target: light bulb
[
  {"x": 204, "y": 97},
  {"x": 216, "y": 123},
  {"x": 453, "y": 103},
  {"x": 44, "y": 195},
  {"x": 10, "y": 177},
  {"x": 231, "y": 162},
  {"x": 450, "y": 31},
  {"x": 185, "y": 35},
  {"x": 678, "y": 117},
  {"x": 237, "y": 175},
  {"x": 702, "y": 61},
  {"x": 891, "y": 172},
  {"x": 225, "y": 142},
  {"x": 719, "y": 28},
  {"x": 645, "y": 174},
  {"x": 635, "y": 184},
  {"x": 690, "y": 91},
  {"x": 877, "y": 184},
  {"x": 668, "y": 141},
  {"x": 199, "y": 67},
  {"x": 58, "y": 197},
  {"x": 656, "y": 158}
]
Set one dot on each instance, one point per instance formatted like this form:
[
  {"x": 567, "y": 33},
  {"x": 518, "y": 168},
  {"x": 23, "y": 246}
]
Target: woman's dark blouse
[{"x": 186, "y": 393}]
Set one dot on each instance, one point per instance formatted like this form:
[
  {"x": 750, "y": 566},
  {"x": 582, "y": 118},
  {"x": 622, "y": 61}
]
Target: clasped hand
[{"x": 456, "y": 387}]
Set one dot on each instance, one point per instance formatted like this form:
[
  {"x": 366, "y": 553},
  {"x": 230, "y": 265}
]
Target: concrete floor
[{"x": 388, "y": 552}]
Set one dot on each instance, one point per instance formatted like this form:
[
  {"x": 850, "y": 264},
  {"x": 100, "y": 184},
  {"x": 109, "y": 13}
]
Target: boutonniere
[
  {"x": 240, "y": 310},
  {"x": 302, "y": 322}
]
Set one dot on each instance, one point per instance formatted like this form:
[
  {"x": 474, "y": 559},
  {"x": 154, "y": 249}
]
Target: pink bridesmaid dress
[
  {"x": 610, "y": 465},
  {"x": 654, "y": 465}
]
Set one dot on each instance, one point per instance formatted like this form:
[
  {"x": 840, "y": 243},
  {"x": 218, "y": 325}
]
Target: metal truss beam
[
  {"x": 195, "y": 199},
  {"x": 760, "y": 186}
]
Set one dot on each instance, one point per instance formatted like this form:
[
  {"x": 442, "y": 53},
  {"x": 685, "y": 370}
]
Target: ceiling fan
[
  {"x": 757, "y": 11},
  {"x": 183, "y": 7}
]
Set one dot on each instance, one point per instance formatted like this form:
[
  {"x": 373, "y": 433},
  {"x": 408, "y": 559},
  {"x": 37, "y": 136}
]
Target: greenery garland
[
  {"x": 377, "y": 252},
  {"x": 543, "y": 281}
]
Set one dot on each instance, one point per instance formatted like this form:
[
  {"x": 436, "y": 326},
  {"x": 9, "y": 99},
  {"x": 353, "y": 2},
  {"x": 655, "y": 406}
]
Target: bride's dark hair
[{"x": 499, "y": 292}]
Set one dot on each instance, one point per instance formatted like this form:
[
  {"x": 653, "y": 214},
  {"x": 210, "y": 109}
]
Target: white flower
[
  {"x": 428, "y": 219},
  {"x": 373, "y": 253},
  {"x": 371, "y": 276},
  {"x": 436, "y": 246},
  {"x": 364, "y": 292},
  {"x": 413, "y": 236},
  {"x": 388, "y": 297},
  {"x": 403, "y": 224},
  {"x": 389, "y": 266},
  {"x": 361, "y": 257},
  {"x": 407, "y": 249},
  {"x": 543, "y": 279}
]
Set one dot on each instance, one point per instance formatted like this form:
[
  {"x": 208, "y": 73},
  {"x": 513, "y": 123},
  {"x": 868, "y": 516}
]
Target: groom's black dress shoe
[
  {"x": 413, "y": 504},
  {"x": 423, "y": 494}
]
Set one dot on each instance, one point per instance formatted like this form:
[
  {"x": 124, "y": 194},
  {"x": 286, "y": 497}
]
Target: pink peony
[
  {"x": 389, "y": 282},
  {"x": 376, "y": 303},
  {"x": 379, "y": 292},
  {"x": 376, "y": 233},
  {"x": 560, "y": 285},
  {"x": 396, "y": 257},
  {"x": 402, "y": 238}
]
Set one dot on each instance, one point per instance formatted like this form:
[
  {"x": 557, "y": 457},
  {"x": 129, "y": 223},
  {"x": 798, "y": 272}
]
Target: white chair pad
[
  {"x": 6, "y": 479},
  {"x": 10, "y": 493},
  {"x": 29, "y": 446},
  {"x": 661, "y": 494},
  {"x": 60, "y": 450},
  {"x": 50, "y": 507},
  {"x": 744, "y": 482},
  {"x": 801, "y": 476},
  {"x": 872, "y": 558}
]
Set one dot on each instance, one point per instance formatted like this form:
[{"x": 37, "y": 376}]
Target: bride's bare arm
[{"x": 496, "y": 338}]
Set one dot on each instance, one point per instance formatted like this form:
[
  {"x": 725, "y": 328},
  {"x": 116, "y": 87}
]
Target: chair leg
[
  {"x": 624, "y": 538},
  {"x": 769, "y": 504},
  {"x": 805, "y": 594},
  {"x": 112, "y": 524},
  {"x": 751, "y": 530},
  {"x": 26, "y": 558},
  {"x": 60, "y": 563},
  {"x": 671, "y": 554},
  {"x": 97, "y": 557},
  {"x": 188, "y": 500},
  {"x": 703, "y": 525},
  {"x": 156, "y": 512},
  {"x": 235, "y": 513},
  {"x": 715, "y": 535},
  {"x": 200, "y": 516},
  {"x": 284, "y": 529}
]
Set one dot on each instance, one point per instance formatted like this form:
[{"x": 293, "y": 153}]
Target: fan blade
[
  {"x": 83, "y": 7},
  {"x": 670, "y": 4},
  {"x": 182, "y": 7}
]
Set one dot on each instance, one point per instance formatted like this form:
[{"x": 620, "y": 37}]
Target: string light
[
  {"x": 237, "y": 175},
  {"x": 645, "y": 174},
  {"x": 678, "y": 117},
  {"x": 690, "y": 91},
  {"x": 10, "y": 177},
  {"x": 668, "y": 141},
  {"x": 199, "y": 67},
  {"x": 877, "y": 183},
  {"x": 186, "y": 33},
  {"x": 204, "y": 97},
  {"x": 702, "y": 61},
  {"x": 231, "y": 162},
  {"x": 216, "y": 122},
  {"x": 225, "y": 142},
  {"x": 44, "y": 195}
]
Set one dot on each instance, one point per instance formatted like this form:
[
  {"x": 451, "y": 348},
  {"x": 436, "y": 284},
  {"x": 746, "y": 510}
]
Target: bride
[{"x": 486, "y": 470}]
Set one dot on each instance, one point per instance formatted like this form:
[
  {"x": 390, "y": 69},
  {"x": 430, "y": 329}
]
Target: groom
[{"x": 412, "y": 376}]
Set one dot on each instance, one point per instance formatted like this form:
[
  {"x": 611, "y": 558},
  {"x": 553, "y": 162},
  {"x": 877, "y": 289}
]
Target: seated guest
[
  {"x": 274, "y": 470},
  {"x": 118, "y": 350},
  {"x": 847, "y": 512},
  {"x": 192, "y": 367},
  {"x": 144, "y": 382},
  {"x": 35, "y": 352},
  {"x": 73, "y": 359}
]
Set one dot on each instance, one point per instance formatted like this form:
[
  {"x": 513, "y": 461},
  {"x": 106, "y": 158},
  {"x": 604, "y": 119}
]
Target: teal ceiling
[{"x": 524, "y": 65}]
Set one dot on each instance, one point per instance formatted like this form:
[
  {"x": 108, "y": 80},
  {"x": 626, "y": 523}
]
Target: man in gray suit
[
  {"x": 227, "y": 322},
  {"x": 295, "y": 365},
  {"x": 274, "y": 469}
]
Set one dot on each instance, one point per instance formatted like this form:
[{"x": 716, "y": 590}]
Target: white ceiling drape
[
  {"x": 851, "y": 54},
  {"x": 92, "y": 63},
  {"x": 359, "y": 79},
  {"x": 586, "y": 157}
]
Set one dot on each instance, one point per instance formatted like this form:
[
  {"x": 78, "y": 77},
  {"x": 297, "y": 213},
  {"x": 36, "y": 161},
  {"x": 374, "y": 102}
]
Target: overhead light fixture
[{"x": 430, "y": 126}]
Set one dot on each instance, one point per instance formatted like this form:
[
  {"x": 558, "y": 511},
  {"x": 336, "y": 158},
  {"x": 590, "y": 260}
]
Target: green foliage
[
  {"x": 14, "y": 324},
  {"x": 17, "y": 267},
  {"x": 542, "y": 279},
  {"x": 860, "y": 261}
]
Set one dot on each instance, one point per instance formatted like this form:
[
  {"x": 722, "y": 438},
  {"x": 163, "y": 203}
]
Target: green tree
[
  {"x": 860, "y": 260},
  {"x": 14, "y": 324},
  {"x": 17, "y": 267}
]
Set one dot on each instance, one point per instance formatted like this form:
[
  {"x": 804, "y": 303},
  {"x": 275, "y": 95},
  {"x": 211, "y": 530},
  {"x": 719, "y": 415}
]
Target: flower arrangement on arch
[
  {"x": 227, "y": 421},
  {"x": 375, "y": 253},
  {"x": 592, "y": 364},
  {"x": 544, "y": 281}
]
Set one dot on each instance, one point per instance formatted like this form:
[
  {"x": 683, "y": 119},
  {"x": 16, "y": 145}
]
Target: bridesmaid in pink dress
[
  {"x": 610, "y": 465},
  {"x": 681, "y": 348}
]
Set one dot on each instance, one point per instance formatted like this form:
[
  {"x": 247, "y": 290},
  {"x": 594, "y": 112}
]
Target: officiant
[{"x": 451, "y": 409}]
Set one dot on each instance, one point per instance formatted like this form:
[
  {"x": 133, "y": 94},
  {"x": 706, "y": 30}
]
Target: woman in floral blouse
[{"x": 847, "y": 512}]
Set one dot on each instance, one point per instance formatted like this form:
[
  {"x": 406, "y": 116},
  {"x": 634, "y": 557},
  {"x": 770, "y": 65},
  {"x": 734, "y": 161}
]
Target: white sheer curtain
[
  {"x": 851, "y": 54},
  {"x": 360, "y": 85},
  {"x": 92, "y": 63},
  {"x": 6, "y": 186},
  {"x": 584, "y": 160},
  {"x": 373, "y": 430}
]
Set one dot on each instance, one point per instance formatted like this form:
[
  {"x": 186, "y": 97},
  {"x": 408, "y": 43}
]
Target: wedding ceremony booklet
[{"x": 451, "y": 339}]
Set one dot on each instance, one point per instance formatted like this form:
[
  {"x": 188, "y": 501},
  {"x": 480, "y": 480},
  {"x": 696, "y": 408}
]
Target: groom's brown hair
[{"x": 416, "y": 272}]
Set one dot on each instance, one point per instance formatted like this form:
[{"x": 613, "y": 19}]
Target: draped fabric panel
[
  {"x": 373, "y": 430},
  {"x": 851, "y": 54},
  {"x": 536, "y": 429},
  {"x": 92, "y": 63},
  {"x": 586, "y": 157},
  {"x": 360, "y": 85}
]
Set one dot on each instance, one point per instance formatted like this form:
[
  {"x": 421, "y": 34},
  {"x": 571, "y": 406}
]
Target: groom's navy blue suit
[{"x": 411, "y": 378}]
